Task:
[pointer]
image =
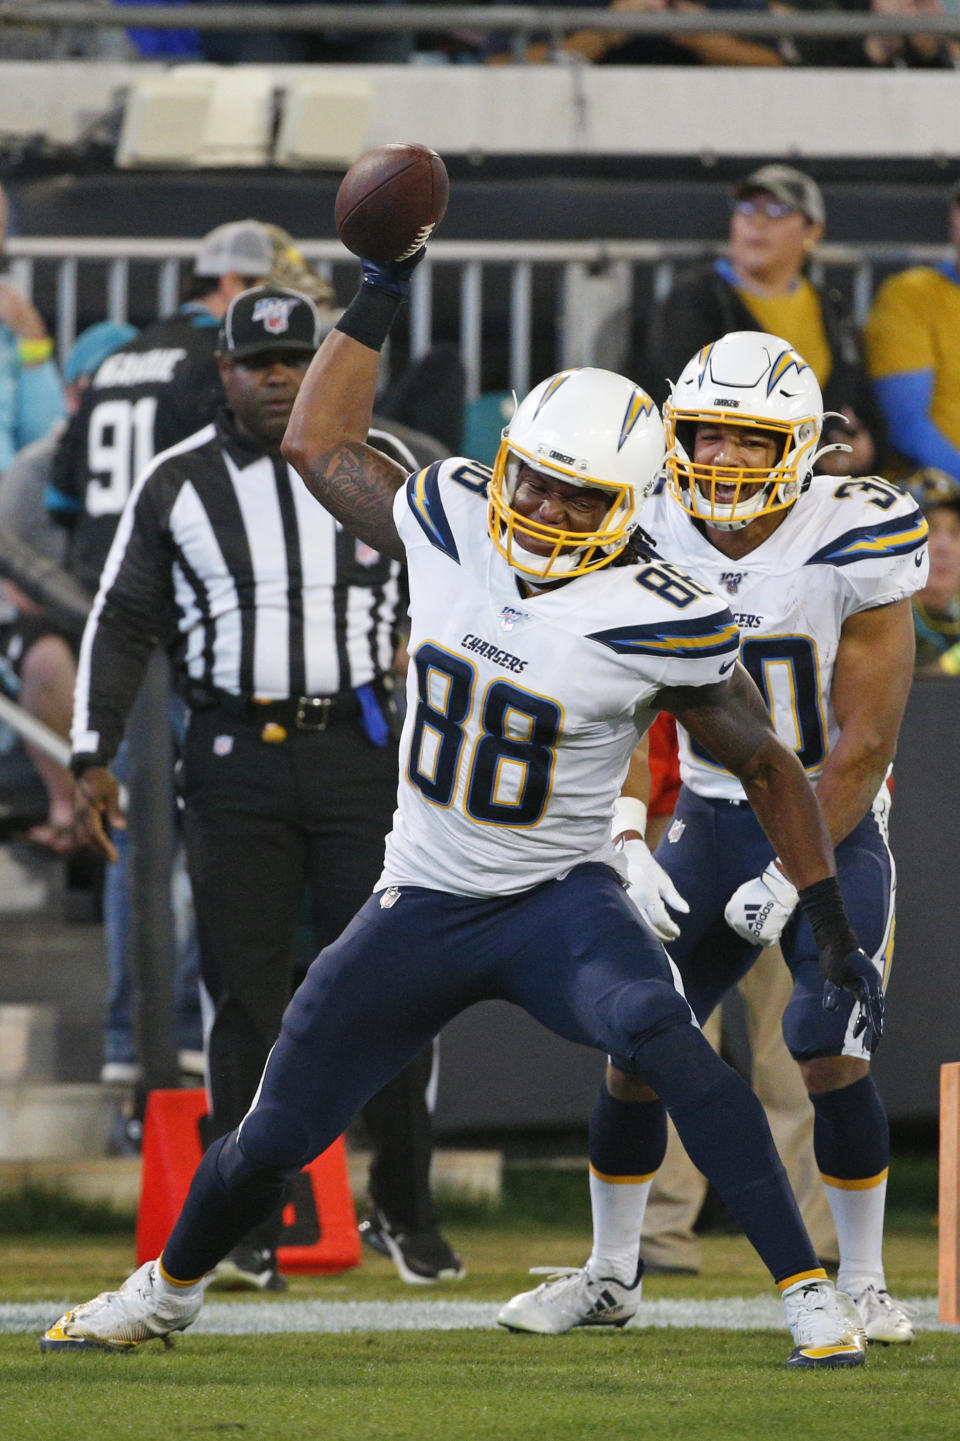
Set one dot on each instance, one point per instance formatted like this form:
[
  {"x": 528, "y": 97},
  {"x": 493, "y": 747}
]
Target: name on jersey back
[{"x": 146, "y": 367}]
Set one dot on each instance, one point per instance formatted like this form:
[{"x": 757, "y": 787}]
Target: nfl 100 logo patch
[
  {"x": 732, "y": 580},
  {"x": 273, "y": 313},
  {"x": 511, "y": 617}
]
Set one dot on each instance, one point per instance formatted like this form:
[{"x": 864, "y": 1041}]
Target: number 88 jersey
[
  {"x": 524, "y": 710},
  {"x": 846, "y": 546}
]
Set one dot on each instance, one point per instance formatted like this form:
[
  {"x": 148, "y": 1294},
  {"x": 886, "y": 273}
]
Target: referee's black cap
[{"x": 269, "y": 317}]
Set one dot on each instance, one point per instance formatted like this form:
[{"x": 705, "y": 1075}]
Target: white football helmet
[
  {"x": 589, "y": 428},
  {"x": 759, "y": 382}
]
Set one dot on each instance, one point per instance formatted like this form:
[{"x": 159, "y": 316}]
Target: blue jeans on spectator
[{"x": 119, "y": 1037}]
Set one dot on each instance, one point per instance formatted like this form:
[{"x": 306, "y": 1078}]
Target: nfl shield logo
[
  {"x": 273, "y": 313},
  {"x": 510, "y": 617},
  {"x": 222, "y": 745},
  {"x": 676, "y": 831}
]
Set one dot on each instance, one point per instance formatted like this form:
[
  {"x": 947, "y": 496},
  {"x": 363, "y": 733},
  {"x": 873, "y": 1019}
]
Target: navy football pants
[
  {"x": 575, "y": 955},
  {"x": 719, "y": 845}
]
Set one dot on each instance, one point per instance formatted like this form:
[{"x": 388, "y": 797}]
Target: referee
[{"x": 282, "y": 630}]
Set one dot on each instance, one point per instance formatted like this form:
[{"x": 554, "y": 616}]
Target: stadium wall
[{"x": 569, "y": 108}]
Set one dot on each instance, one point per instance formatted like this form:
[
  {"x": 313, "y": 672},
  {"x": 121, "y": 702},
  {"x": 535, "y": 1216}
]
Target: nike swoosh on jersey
[
  {"x": 728, "y": 665},
  {"x": 424, "y": 500}
]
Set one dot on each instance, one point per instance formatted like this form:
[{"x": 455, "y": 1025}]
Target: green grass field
[{"x": 439, "y": 1385}]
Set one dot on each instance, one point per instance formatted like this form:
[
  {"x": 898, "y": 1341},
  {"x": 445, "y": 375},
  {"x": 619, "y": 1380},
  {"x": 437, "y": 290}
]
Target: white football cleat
[
  {"x": 119, "y": 1320},
  {"x": 571, "y": 1297},
  {"x": 884, "y": 1319},
  {"x": 825, "y": 1326}
]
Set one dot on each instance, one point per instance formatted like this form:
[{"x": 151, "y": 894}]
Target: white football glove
[
  {"x": 648, "y": 885},
  {"x": 759, "y": 909},
  {"x": 652, "y": 890}
]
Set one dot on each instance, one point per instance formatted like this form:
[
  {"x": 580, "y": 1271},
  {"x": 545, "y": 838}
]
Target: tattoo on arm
[{"x": 357, "y": 484}]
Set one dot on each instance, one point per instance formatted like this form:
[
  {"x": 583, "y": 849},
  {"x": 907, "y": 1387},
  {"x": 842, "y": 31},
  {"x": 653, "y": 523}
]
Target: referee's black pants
[{"x": 266, "y": 821}]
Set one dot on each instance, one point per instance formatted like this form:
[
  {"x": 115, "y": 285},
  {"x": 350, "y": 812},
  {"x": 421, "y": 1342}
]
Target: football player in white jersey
[
  {"x": 819, "y": 575},
  {"x": 537, "y": 662}
]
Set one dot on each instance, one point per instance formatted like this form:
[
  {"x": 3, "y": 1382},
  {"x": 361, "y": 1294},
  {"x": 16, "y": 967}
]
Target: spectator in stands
[
  {"x": 913, "y": 357},
  {"x": 305, "y": 47},
  {"x": 777, "y": 221},
  {"x": 899, "y": 52},
  {"x": 619, "y": 47},
  {"x": 31, "y": 392},
  {"x": 164, "y": 44},
  {"x": 39, "y": 657},
  {"x": 936, "y": 608},
  {"x": 290, "y": 269},
  {"x": 914, "y": 52},
  {"x": 168, "y": 373}
]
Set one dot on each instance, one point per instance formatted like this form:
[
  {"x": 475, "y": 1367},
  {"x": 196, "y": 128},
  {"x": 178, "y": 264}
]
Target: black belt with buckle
[{"x": 304, "y": 713}]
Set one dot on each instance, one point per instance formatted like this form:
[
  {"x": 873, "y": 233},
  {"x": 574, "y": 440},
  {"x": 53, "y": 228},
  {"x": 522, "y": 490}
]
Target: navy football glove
[
  {"x": 393, "y": 277},
  {"x": 855, "y": 972}
]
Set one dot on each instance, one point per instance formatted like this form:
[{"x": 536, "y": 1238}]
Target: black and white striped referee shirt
[{"x": 224, "y": 557}]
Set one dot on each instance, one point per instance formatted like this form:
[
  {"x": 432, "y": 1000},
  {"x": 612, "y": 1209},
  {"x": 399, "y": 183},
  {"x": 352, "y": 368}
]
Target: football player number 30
[
  {"x": 801, "y": 724},
  {"x": 512, "y": 763}
]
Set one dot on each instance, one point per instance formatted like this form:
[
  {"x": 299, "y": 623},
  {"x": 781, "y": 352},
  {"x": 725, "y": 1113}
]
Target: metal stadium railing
[
  {"x": 519, "y": 21},
  {"x": 579, "y": 285}
]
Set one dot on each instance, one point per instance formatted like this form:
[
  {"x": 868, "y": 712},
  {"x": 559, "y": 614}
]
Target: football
[{"x": 390, "y": 201}]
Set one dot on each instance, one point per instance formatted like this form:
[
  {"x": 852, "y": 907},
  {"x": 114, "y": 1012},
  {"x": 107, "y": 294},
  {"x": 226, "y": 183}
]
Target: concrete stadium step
[
  {"x": 27, "y": 1042},
  {"x": 49, "y": 1122},
  {"x": 53, "y": 962},
  {"x": 116, "y": 1179},
  {"x": 112, "y": 1179}
]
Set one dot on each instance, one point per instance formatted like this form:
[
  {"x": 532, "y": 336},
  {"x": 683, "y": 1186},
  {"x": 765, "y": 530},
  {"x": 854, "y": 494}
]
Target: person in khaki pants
[{"x": 668, "y": 1240}]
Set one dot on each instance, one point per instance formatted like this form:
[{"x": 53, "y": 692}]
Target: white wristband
[{"x": 629, "y": 814}]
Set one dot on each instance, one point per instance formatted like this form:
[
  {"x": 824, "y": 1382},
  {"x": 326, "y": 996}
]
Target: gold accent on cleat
[
  {"x": 824, "y": 1357},
  {"x": 57, "y": 1339}
]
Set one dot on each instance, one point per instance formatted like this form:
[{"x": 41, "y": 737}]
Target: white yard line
[{"x": 251, "y": 1318}]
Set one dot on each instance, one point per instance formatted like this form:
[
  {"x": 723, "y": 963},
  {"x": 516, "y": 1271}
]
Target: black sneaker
[
  {"x": 421, "y": 1257},
  {"x": 248, "y": 1268}
]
